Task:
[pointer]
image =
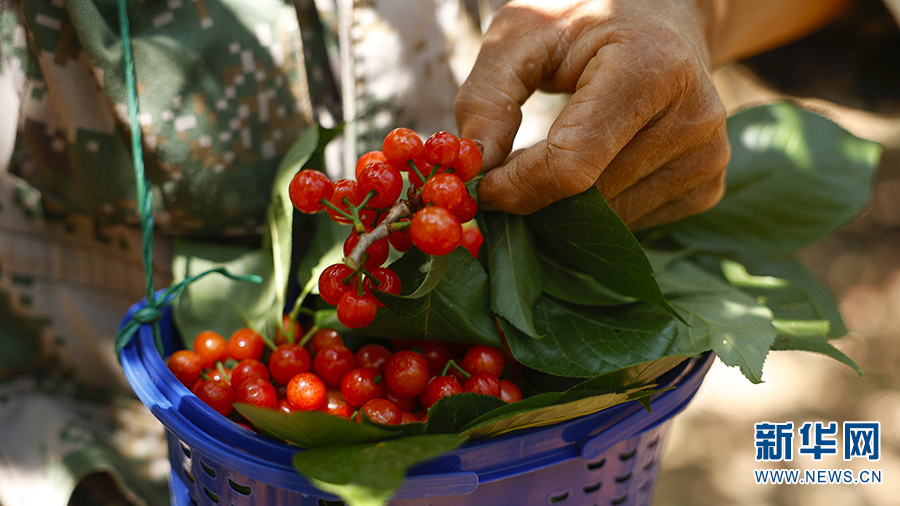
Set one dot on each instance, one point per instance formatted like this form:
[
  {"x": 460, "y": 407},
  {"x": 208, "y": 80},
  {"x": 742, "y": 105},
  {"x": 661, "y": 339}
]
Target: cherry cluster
[
  {"x": 382, "y": 384},
  {"x": 436, "y": 215}
]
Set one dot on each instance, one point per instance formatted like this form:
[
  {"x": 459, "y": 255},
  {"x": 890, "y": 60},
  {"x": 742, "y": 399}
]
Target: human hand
[{"x": 644, "y": 121}]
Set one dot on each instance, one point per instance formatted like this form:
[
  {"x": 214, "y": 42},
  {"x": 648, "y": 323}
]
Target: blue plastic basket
[{"x": 610, "y": 457}]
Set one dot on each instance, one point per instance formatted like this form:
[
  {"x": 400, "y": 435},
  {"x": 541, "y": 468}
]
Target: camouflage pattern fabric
[{"x": 224, "y": 88}]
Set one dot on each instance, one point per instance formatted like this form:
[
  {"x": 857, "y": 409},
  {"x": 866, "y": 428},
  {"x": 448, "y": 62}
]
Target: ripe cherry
[
  {"x": 355, "y": 311},
  {"x": 445, "y": 190},
  {"x": 435, "y": 230},
  {"x": 467, "y": 210},
  {"x": 331, "y": 282},
  {"x": 248, "y": 369},
  {"x": 468, "y": 161},
  {"x": 484, "y": 358},
  {"x": 368, "y": 159},
  {"x": 332, "y": 363},
  {"x": 186, "y": 365},
  {"x": 388, "y": 281},
  {"x": 385, "y": 180},
  {"x": 211, "y": 347},
  {"x": 245, "y": 343},
  {"x": 217, "y": 394},
  {"x": 483, "y": 382},
  {"x": 509, "y": 392},
  {"x": 287, "y": 361},
  {"x": 438, "y": 388},
  {"x": 306, "y": 391},
  {"x": 324, "y": 338},
  {"x": 471, "y": 239},
  {"x": 378, "y": 251},
  {"x": 258, "y": 392},
  {"x": 401, "y": 240},
  {"x": 361, "y": 385},
  {"x": 335, "y": 404},
  {"x": 406, "y": 373},
  {"x": 373, "y": 356},
  {"x": 441, "y": 148},
  {"x": 308, "y": 188},
  {"x": 401, "y": 145},
  {"x": 381, "y": 411},
  {"x": 343, "y": 189}
]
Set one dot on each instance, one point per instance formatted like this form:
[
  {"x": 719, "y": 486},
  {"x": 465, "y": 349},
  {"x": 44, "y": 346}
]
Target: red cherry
[
  {"x": 343, "y": 189},
  {"x": 436, "y": 354},
  {"x": 445, "y": 190},
  {"x": 385, "y": 180},
  {"x": 211, "y": 347},
  {"x": 388, "y": 282},
  {"x": 306, "y": 391},
  {"x": 287, "y": 361},
  {"x": 468, "y": 161},
  {"x": 435, "y": 230},
  {"x": 509, "y": 392},
  {"x": 245, "y": 343},
  {"x": 484, "y": 382},
  {"x": 440, "y": 387},
  {"x": 324, "y": 338},
  {"x": 373, "y": 356},
  {"x": 484, "y": 358},
  {"x": 380, "y": 411},
  {"x": 308, "y": 188},
  {"x": 406, "y": 373},
  {"x": 335, "y": 404},
  {"x": 258, "y": 392},
  {"x": 361, "y": 385},
  {"x": 332, "y": 363},
  {"x": 401, "y": 240},
  {"x": 441, "y": 148},
  {"x": 401, "y": 145},
  {"x": 355, "y": 311},
  {"x": 467, "y": 210},
  {"x": 331, "y": 283},
  {"x": 216, "y": 394},
  {"x": 248, "y": 369},
  {"x": 378, "y": 251},
  {"x": 472, "y": 239},
  {"x": 186, "y": 365},
  {"x": 368, "y": 159}
]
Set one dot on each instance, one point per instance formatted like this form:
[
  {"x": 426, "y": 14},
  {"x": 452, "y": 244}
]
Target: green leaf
[
  {"x": 515, "y": 281},
  {"x": 435, "y": 267},
  {"x": 311, "y": 429},
  {"x": 570, "y": 285},
  {"x": 587, "y": 341},
  {"x": 455, "y": 310},
  {"x": 788, "y": 288},
  {"x": 369, "y": 474},
  {"x": 732, "y": 324},
  {"x": 217, "y": 302},
  {"x": 450, "y": 414},
  {"x": 585, "y": 233},
  {"x": 675, "y": 275},
  {"x": 793, "y": 178},
  {"x": 815, "y": 344}
]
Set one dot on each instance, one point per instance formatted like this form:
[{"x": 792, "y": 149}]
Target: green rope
[{"x": 151, "y": 314}]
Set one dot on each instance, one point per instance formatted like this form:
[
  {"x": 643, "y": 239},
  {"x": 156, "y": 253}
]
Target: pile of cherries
[
  {"x": 391, "y": 383},
  {"x": 436, "y": 216}
]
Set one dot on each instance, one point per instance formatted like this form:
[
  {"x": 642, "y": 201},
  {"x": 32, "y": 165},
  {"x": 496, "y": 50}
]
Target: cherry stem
[
  {"x": 412, "y": 166},
  {"x": 308, "y": 335},
  {"x": 327, "y": 203},
  {"x": 434, "y": 171},
  {"x": 452, "y": 363},
  {"x": 397, "y": 212},
  {"x": 221, "y": 368}
]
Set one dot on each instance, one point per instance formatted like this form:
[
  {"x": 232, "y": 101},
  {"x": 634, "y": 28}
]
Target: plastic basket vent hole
[
  {"x": 186, "y": 450},
  {"x": 240, "y": 489},
  {"x": 194, "y": 502},
  {"x": 326, "y": 502},
  {"x": 619, "y": 500},
  {"x": 627, "y": 455},
  {"x": 653, "y": 443},
  {"x": 590, "y": 489},
  {"x": 208, "y": 470},
  {"x": 556, "y": 499},
  {"x": 593, "y": 466},
  {"x": 648, "y": 465},
  {"x": 189, "y": 476},
  {"x": 623, "y": 478},
  {"x": 212, "y": 496}
]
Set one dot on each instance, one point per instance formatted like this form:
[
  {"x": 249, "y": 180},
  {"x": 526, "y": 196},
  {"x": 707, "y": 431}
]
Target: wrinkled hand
[{"x": 644, "y": 121}]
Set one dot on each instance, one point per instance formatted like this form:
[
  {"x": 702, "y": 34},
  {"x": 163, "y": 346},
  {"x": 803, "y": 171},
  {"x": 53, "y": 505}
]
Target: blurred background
[{"x": 850, "y": 73}]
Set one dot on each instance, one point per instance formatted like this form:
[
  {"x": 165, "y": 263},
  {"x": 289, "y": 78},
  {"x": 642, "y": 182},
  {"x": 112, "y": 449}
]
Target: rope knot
[{"x": 147, "y": 315}]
